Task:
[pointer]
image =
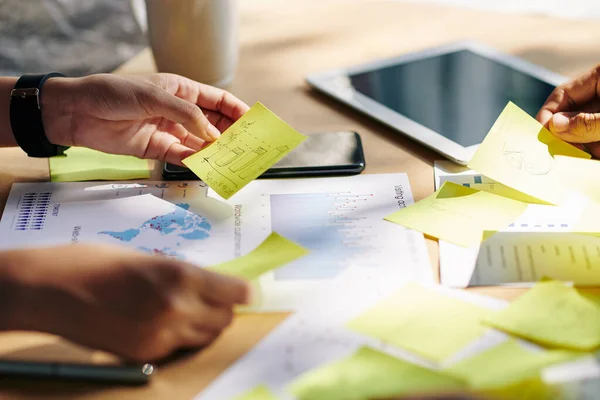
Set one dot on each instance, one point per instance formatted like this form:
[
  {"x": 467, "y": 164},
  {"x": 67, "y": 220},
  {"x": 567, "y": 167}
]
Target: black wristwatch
[{"x": 26, "y": 116}]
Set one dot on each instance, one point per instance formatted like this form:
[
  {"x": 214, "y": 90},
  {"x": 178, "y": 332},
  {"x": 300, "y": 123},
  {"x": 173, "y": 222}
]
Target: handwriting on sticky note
[
  {"x": 369, "y": 374},
  {"x": 261, "y": 392},
  {"x": 274, "y": 252},
  {"x": 82, "y": 164},
  {"x": 414, "y": 317},
  {"x": 506, "y": 364},
  {"x": 519, "y": 152},
  {"x": 244, "y": 151},
  {"x": 553, "y": 314},
  {"x": 459, "y": 214}
]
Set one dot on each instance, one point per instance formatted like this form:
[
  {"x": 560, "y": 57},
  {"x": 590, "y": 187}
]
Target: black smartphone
[{"x": 321, "y": 154}]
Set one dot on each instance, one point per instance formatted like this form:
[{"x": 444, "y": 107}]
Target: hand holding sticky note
[
  {"x": 519, "y": 152},
  {"x": 244, "y": 151},
  {"x": 459, "y": 214}
]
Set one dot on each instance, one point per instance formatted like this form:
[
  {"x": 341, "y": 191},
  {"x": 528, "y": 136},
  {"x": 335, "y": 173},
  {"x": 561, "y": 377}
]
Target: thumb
[{"x": 576, "y": 127}]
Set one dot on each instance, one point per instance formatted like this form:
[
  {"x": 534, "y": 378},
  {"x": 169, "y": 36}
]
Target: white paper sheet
[
  {"x": 457, "y": 264},
  {"x": 339, "y": 219},
  {"x": 317, "y": 336}
]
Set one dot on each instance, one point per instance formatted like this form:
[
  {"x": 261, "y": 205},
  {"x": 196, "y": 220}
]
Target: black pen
[{"x": 135, "y": 374}]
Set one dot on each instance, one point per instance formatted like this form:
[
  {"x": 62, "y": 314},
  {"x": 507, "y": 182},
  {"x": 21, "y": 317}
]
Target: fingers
[
  {"x": 219, "y": 120},
  {"x": 186, "y": 138},
  {"x": 593, "y": 149},
  {"x": 215, "y": 99},
  {"x": 159, "y": 103},
  {"x": 571, "y": 96},
  {"x": 221, "y": 290},
  {"x": 207, "y": 97},
  {"x": 214, "y": 319},
  {"x": 576, "y": 127}
]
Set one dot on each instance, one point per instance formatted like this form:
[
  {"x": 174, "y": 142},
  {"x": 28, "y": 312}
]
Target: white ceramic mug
[{"x": 195, "y": 38}]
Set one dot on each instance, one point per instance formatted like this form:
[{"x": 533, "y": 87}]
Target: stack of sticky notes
[{"x": 82, "y": 164}]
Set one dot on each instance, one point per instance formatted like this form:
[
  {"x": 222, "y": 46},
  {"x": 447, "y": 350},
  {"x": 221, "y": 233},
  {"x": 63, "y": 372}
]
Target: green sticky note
[
  {"x": 553, "y": 314},
  {"x": 261, "y": 392},
  {"x": 519, "y": 152},
  {"x": 248, "y": 148},
  {"x": 459, "y": 214},
  {"x": 368, "y": 374},
  {"x": 83, "y": 164},
  {"x": 415, "y": 317},
  {"x": 274, "y": 252},
  {"x": 506, "y": 365}
]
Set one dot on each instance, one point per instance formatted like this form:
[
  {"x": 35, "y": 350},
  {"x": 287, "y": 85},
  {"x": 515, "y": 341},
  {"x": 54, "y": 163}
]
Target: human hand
[
  {"x": 158, "y": 116},
  {"x": 137, "y": 306},
  {"x": 572, "y": 111}
]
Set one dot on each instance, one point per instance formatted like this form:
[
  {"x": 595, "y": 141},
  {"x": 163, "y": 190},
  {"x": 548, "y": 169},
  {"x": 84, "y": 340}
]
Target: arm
[
  {"x": 6, "y": 136},
  {"x": 159, "y": 116},
  {"x": 137, "y": 306}
]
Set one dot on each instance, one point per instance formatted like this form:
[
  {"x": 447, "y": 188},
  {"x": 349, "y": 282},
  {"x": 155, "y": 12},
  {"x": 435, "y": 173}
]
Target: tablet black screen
[{"x": 458, "y": 95}]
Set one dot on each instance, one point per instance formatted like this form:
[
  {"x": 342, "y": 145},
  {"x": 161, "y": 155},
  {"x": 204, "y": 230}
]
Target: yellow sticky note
[
  {"x": 519, "y": 152},
  {"x": 274, "y": 252},
  {"x": 415, "y": 317},
  {"x": 506, "y": 364},
  {"x": 261, "y": 392},
  {"x": 459, "y": 214},
  {"x": 506, "y": 191},
  {"x": 248, "y": 148},
  {"x": 369, "y": 374},
  {"x": 581, "y": 175},
  {"x": 553, "y": 314},
  {"x": 83, "y": 164}
]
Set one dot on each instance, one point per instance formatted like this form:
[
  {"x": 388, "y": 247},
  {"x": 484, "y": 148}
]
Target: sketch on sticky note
[{"x": 533, "y": 159}]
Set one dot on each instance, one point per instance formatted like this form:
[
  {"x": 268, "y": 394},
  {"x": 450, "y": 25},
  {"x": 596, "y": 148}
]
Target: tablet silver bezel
[{"x": 336, "y": 84}]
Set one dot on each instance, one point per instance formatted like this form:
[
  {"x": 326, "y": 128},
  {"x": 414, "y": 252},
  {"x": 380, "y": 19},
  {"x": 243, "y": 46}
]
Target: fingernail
[
  {"x": 213, "y": 132},
  {"x": 560, "y": 123}
]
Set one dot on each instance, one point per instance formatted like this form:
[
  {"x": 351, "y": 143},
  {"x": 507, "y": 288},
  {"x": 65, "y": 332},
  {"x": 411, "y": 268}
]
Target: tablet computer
[{"x": 446, "y": 98}]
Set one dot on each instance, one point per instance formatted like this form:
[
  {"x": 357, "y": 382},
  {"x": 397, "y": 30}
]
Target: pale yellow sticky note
[
  {"x": 274, "y": 252},
  {"x": 414, "y": 317},
  {"x": 83, "y": 164},
  {"x": 506, "y": 364},
  {"x": 553, "y": 314},
  {"x": 459, "y": 214},
  {"x": 580, "y": 175},
  {"x": 261, "y": 392},
  {"x": 506, "y": 191},
  {"x": 369, "y": 374},
  {"x": 519, "y": 152},
  {"x": 244, "y": 151}
]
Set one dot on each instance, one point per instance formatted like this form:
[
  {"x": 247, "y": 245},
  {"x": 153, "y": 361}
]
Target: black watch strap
[{"x": 26, "y": 116}]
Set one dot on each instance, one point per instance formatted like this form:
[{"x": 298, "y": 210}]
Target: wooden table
[{"x": 281, "y": 42}]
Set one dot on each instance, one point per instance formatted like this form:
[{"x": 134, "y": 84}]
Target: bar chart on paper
[{"x": 332, "y": 226}]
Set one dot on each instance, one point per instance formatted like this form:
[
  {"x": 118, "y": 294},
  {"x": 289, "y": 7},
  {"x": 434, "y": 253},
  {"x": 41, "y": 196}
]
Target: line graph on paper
[{"x": 333, "y": 226}]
